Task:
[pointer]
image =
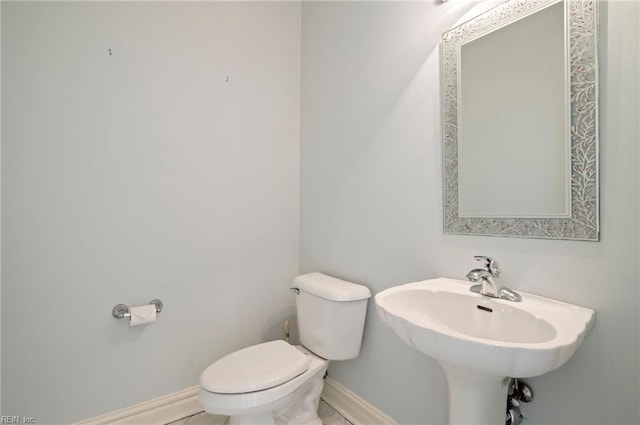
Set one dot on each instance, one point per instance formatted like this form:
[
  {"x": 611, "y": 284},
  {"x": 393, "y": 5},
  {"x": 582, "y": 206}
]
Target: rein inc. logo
[{"x": 17, "y": 420}]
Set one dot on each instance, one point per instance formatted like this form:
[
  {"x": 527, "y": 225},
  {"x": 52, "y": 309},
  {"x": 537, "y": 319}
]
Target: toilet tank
[{"x": 331, "y": 314}]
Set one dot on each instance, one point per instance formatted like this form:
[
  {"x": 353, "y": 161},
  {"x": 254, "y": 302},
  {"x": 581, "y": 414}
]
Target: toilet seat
[
  {"x": 255, "y": 368},
  {"x": 270, "y": 399}
]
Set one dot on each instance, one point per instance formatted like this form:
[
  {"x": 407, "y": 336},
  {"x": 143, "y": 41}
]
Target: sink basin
[
  {"x": 482, "y": 341},
  {"x": 444, "y": 320}
]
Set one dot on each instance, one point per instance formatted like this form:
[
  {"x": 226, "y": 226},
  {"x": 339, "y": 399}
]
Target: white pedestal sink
[{"x": 482, "y": 342}]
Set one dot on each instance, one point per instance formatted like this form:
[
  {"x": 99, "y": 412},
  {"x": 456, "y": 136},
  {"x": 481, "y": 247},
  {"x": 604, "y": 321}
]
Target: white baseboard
[
  {"x": 159, "y": 411},
  {"x": 351, "y": 406},
  {"x": 172, "y": 407}
]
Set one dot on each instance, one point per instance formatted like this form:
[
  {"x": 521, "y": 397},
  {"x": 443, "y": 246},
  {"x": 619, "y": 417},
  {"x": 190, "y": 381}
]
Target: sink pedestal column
[{"x": 475, "y": 398}]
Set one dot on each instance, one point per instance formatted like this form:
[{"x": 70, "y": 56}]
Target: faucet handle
[{"x": 490, "y": 264}]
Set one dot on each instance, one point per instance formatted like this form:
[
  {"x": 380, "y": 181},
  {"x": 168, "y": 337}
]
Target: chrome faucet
[{"x": 488, "y": 281}]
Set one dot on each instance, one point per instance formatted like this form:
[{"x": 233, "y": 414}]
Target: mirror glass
[{"x": 519, "y": 93}]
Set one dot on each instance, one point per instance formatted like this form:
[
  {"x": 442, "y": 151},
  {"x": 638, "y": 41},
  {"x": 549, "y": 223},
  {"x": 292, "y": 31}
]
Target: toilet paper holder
[{"x": 122, "y": 310}]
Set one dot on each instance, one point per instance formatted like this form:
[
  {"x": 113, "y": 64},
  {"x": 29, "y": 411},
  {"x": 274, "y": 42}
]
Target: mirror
[{"x": 519, "y": 124}]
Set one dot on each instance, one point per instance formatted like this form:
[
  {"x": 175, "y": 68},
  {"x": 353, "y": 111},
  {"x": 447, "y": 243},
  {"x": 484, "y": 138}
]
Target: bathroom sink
[
  {"x": 465, "y": 330},
  {"x": 481, "y": 342}
]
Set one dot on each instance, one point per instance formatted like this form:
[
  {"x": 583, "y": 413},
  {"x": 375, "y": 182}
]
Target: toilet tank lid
[{"x": 331, "y": 288}]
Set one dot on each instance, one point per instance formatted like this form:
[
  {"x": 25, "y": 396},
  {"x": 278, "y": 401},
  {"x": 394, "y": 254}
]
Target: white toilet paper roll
[{"x": 142, "y": 314}]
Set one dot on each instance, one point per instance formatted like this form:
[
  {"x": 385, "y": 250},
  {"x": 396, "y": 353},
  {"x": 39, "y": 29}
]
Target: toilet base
[
  {"x": 300, "y": 409},
  {"x": 303, "y": 409}
]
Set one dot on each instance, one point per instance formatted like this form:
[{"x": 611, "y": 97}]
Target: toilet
[{"x": 278, "y": 383}]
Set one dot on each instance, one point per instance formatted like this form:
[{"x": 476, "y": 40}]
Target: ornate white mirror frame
[{"x": 583, "y": 220}]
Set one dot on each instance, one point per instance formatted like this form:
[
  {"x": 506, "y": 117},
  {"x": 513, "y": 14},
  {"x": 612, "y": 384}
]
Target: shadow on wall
[{"x": 275, "y": 326}]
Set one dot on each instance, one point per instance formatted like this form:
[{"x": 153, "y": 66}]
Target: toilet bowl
[
  {"x": 294, "y": 401},
  {"x": 276, "y": 383}
]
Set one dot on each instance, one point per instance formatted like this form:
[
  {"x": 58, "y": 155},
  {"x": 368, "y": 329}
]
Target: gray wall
[
  {"x": 139, "y": 174},
  {"x": 371, "y": 204}
]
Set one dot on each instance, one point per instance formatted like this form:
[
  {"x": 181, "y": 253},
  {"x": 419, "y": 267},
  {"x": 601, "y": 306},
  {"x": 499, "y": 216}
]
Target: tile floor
[{"x": 327, "y": 413}]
